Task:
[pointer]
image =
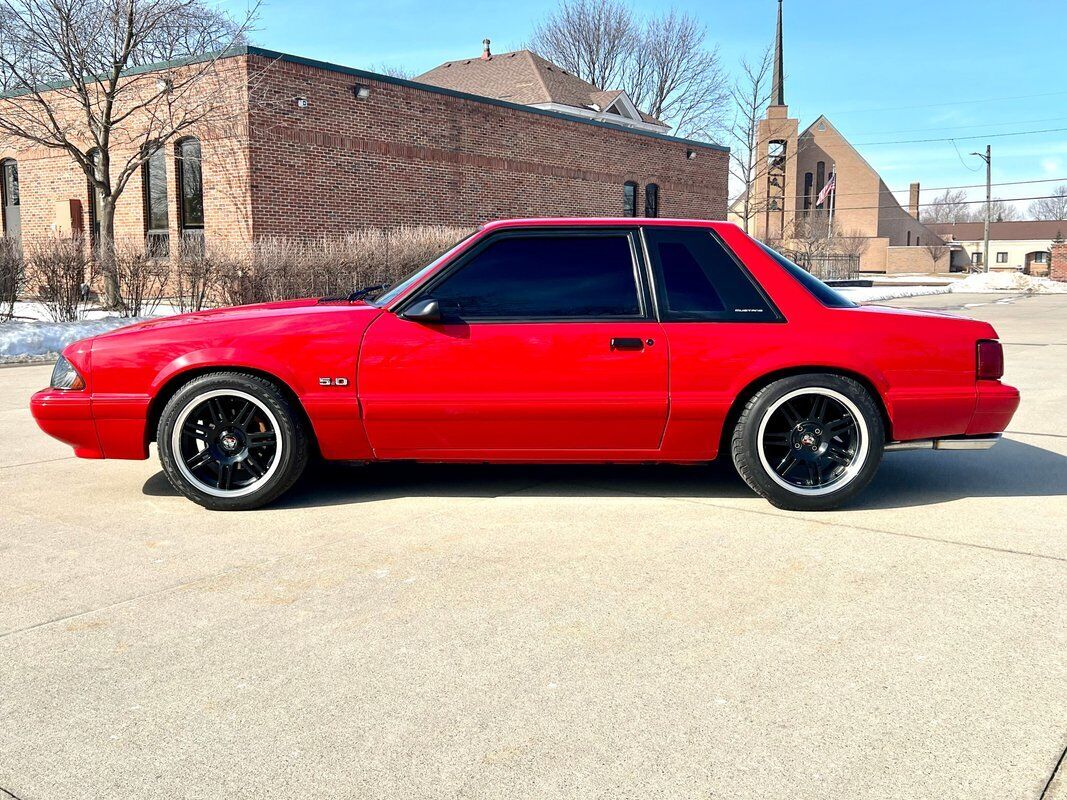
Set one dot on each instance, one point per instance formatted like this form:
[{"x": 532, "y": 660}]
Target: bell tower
[{"x": 775, "y": 177}]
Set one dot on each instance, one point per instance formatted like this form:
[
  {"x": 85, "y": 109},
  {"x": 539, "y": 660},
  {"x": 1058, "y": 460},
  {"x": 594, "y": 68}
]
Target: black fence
[{"x": 830, "y": 267}]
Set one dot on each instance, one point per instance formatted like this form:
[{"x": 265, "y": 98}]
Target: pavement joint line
[
  {"x": 1031, "y": 433},
  {"x": 34, "y": 463},
  {"x": 1055, "y": 772},
  {"x": 247, "y": 567},
  {"x": 833, "y": 524}
]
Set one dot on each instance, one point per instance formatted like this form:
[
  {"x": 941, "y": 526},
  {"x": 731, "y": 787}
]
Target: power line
[
  {"x": 971, "y": 125},
  {"x": 948, "y": 103},
  {"x": 962, "y": 138},
  {"x": 953, "y": 203},
  {"x": 945, "y": 188}
]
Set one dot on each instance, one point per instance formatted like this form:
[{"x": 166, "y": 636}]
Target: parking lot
[{"x": 483, "y": 632}]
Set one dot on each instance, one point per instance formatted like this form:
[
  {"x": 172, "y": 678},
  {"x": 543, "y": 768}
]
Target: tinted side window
[
  {"x": 697, "y": 279},
  {"x": 544, "y": 277}
]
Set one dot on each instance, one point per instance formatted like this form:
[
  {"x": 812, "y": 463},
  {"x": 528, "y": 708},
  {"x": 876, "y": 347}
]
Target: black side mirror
[{"x": 425, "y": 311}]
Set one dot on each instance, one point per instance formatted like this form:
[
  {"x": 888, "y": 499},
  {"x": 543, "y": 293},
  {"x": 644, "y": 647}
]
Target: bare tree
[
  {"x": 1054, "y": 207},
  {"x": 392, "y": 70},
  {"x": 750, "y": 92},
  {"x": 594, "y": 39},
  {"x": 937, "y": 250},
  {"x": 999, "y": 211},
  {"x": 849, "y": 242},
  {"x": 68, "y": 67},
  {"x": 662, "y": 63},
  {"x": 949, "y": 207},
  {"x": 673, "y": 76}
]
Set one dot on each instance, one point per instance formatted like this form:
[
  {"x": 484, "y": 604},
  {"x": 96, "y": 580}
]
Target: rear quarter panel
[{"x": 922, "y": 365}]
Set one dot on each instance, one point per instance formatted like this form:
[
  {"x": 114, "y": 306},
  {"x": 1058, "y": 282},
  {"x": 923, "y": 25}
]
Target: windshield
[
  {"x": 823, "y": 293},
  {"x": 397, "y": 289}
]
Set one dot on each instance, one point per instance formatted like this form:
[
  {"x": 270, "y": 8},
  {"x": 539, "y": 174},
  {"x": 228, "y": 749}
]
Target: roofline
[
  {"x": 629, "y": 222},
  {"x": 252, "y": 50}
]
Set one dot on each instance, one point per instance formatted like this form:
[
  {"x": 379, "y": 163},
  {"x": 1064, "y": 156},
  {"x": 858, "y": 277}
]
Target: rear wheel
[
  {"x": 231, "y": 441},
  {"x": 809, "y": 442}
]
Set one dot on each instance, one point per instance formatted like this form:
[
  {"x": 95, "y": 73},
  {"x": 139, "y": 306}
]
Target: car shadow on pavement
[{"x": 911, "y": 478}]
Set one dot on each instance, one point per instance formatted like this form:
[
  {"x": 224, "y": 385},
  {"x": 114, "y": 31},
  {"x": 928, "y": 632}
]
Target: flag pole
[{"x": 833, "y": 202}]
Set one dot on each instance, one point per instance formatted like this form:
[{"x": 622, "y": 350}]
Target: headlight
[{"x": 64, "y": 376}]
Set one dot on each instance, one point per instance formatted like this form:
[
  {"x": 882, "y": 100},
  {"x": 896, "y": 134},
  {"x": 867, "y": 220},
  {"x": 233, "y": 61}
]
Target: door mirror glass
[{"x": 426, "y": 311}]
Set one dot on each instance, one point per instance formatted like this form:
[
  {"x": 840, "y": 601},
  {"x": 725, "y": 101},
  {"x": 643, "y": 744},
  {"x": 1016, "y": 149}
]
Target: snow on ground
[
  {"x": 871, "y": 294},
  {"x": 31, "y": 336},
  {"x": 23, "y": 340},
  {"x": 978, "y": 283},
  {"x": 982, "y": 282}
]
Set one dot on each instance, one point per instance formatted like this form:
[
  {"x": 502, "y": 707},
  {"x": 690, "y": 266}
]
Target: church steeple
[{"x": 778, "y": 86}]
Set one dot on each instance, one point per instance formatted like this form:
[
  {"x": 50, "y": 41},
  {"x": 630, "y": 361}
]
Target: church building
[{"x": 813, "y": 182}]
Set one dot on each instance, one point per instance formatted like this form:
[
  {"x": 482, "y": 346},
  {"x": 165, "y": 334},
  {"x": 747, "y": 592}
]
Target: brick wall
[
  {"x": 405, "y": 155},
  {"x": 408, "y": 155},
  {"x": 1058, "y": 264}
]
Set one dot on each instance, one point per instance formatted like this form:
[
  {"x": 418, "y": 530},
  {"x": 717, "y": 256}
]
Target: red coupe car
[{"x": 543, "y": 340}]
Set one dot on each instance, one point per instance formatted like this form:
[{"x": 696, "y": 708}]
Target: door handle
[{"x": 624, "y": 343}]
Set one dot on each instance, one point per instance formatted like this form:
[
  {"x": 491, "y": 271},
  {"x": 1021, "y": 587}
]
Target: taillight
[{"x": 990, "y": 366}]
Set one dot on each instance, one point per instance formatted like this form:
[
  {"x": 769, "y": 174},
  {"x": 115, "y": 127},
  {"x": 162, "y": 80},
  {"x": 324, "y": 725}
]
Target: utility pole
[{"x": 988, "y": 158}]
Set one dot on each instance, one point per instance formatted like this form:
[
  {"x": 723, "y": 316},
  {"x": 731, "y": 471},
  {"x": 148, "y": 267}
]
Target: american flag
[{"x": 829, "y": 187}]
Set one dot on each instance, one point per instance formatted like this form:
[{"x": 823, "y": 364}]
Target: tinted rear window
[
  {"x": 823, "y": 293},
  {"x": 698, "y": 279},
  {"x": 545, "y": 277}
]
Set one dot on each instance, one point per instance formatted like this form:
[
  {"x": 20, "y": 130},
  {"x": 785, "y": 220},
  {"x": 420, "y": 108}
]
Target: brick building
[{"x": 313, "y": 148}]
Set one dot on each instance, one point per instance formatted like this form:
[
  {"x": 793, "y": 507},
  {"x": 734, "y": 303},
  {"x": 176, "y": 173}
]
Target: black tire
[
  {"x": 227, "y": 420},
  {"x": 804, "y": 453}
]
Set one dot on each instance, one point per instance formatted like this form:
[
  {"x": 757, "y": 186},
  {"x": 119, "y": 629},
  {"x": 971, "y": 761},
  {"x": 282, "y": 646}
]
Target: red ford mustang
[{"x": 596, "y": 340}]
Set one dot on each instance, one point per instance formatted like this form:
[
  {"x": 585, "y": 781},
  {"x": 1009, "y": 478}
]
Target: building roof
[
  {"x": 1036, "y": 229},
  {"x": 524, "y": 77}
]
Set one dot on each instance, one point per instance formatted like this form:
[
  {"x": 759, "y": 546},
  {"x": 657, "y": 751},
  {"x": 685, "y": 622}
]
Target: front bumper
[{"x": 68, "y": 416}]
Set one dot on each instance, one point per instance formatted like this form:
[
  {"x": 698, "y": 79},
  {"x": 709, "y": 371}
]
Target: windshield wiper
[{"x": 358, "y": 294}]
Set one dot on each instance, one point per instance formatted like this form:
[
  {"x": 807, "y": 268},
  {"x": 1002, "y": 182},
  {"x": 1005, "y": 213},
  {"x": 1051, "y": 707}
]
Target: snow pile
[
  {"x": 18, "y": 340},
  {"x": 872, "y": 294},
  {"x": 982, "y": 282}
]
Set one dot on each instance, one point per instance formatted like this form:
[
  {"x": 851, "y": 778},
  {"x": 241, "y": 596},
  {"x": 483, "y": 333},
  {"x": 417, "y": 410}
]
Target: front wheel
[
  {"x": 231, "y": 441},
  {"x": 809, "y": 442}
]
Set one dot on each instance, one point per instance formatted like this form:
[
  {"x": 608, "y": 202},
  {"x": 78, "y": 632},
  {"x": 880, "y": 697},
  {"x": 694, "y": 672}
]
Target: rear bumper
[
  {"x": 68, "y": 417},
  {"x": 996, "y": 406}
]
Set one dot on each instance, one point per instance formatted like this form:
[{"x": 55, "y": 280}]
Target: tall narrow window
[
  {"x": 9, "y": 198},
  {"x": 95, "y": 200},
  {"x": 190, "y": 193},
  {"x": 629, "y": 199},
  {"x": 909, "y": 238},
  {"x": 652, "y": 200},
  {"x": 820, "y": 177},
  {"x": 156, "y": 224},
  {"x": 809, "y": 180}
]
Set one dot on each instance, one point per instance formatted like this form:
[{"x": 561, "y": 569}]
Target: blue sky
[{"x": 881, "y": 71}]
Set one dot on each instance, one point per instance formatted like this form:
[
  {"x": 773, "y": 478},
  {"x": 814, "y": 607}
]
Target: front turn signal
[{"x": 65, "y": 377}]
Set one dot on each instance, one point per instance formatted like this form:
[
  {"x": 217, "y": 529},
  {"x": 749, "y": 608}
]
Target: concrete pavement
[{"x": 410, "y": 631}]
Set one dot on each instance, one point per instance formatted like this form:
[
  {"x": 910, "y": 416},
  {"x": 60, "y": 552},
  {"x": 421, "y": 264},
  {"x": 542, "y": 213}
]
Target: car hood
[{"x": 239, "y": 314}]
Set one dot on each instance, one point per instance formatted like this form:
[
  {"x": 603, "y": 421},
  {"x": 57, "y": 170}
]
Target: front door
[{"x": 545, "y": 351}]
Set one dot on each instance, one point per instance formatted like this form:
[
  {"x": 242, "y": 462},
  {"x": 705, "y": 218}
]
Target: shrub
[
  {"x": 59, "y": 274},
  {"x": 12, "y": 273},
  {"x": 142, "y": 277},
  {"x": 280, "y": 268}
]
